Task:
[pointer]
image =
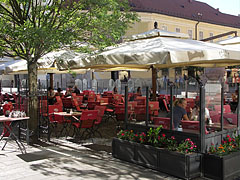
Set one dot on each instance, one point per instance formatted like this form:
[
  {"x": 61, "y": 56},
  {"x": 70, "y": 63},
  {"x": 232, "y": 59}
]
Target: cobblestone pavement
[{"x": 63, "y": 159}]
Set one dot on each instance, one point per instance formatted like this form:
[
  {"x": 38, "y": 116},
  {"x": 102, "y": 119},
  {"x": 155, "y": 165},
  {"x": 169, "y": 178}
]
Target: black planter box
[
  {"x": 146, "y": 156},
  {"x": 123, "y": 150},
  {"x": 185, "y": 166},
  {"x": 221, "y": 167}
]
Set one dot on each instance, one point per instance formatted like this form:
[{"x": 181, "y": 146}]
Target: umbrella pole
[{"x": 154, "y": 83}]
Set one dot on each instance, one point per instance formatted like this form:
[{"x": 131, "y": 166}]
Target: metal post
[
  {"x": 154, "y": 82},
  {"x": 222, "y": 99},
  {"x": 186, "y": 88},
  {"x": 97, "y": 87},
  {"x": 147, "y": 106},
  {"x": 126, "y": 107},
  {"x": 202, "y": 118},
  {"x": 48, "y": 128},
  {"x": 171, "y": 106}
]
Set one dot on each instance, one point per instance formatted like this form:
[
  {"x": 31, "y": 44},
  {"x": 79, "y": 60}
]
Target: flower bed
[
  {"x": 223, "y": 161},
  {"x": 156, "y": 151}
]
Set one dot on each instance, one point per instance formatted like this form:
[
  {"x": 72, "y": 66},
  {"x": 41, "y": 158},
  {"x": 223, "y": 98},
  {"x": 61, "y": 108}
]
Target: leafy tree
[{"x": 32, "y": 28}]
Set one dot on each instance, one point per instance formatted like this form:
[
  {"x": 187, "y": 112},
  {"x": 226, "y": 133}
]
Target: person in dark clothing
[
  {"x": 125, "y": 79},
  {"x": 59, "y": 92},
  {"x": 179, "y": 112},
  {"x": 115, "y": 91},
  {"x": 76, "y": 90},
  {"x": 51, "y": 96}
]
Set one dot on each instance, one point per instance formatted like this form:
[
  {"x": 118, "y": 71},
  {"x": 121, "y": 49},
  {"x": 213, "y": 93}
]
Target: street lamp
[{"x": 199, "y": 15}]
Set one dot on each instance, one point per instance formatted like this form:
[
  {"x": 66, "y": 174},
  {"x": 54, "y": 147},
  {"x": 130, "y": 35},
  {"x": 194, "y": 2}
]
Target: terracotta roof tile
[{"x": 188, "y": 9}]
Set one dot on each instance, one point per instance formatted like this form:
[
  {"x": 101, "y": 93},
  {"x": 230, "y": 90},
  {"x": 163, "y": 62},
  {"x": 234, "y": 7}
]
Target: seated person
[
  {"x": 179, "y": 112},
  {"x": 234, "y": 102},
  {"x": 76, "y": 90},
  {"x": 115, "y": 91},
  {"x": 194, "y": 116},
  {"x": 58, "y": 93},
  {"x": 68, "y": 91},
  {"x": 139, "y": 91},
  {"x": 51, "y": 96}
]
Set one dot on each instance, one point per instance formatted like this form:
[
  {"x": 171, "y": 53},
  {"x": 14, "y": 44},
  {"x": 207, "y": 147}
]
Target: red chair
[
  {"x": 103, "y": 100},
  {"x": 86, "y": 122},
  {"x": 226, "y": 108},
  {"x": 6, "y": 107},
  {"x": 140, "y": 113},
  {"x": 59, "y": 101},
  {"x": 91, "y": 105},
  {"x": 132, "y": 105},
  {"x": 101, "y": 111},
  {"x": 141, "y": 100},
  {"x": 153, "y": 107},
  {"x": 76, "y": 105},
  {"x": 120, "y": 112},
  {"x": 79, "y": 99},
  {"x": 165, "y": 105},
  {"x": 91, "y": 97},
  {"x": 117, "y": 99},
  {"x": 164, "y": 121},
  {"x": 192, "y": 126},
  {"x": 67, "y": 103}
]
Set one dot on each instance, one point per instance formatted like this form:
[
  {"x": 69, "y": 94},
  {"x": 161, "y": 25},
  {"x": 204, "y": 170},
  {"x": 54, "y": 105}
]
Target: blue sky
[{"x": 225, "y": 6}]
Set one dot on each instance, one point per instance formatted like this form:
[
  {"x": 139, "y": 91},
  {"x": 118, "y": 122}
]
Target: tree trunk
[{"x": 33, "y": 101}]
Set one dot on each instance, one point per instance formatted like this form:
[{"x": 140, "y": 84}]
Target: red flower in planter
[
  {"x": 187, "y": 146},
  {"x": 228, "y": 145}
]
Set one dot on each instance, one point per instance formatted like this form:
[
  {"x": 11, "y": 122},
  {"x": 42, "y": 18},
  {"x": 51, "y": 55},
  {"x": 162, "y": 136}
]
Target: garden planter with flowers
[
  {"x": 223, "y": 161},
  {"x": 156, "y": 151},
  {"x": 183, "y": 165}
]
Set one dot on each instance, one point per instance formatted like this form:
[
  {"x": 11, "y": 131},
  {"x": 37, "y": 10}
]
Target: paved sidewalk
[{"x": 66, "y": 160}]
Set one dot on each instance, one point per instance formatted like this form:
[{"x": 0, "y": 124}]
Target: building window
[
  {"x": 211, "y": 35},
  {"x": 164, "y": 27},
  {"x": 190, "y": 34},
  {"x": 178, "y": 30},
  {"x": 200, "y": 35}
]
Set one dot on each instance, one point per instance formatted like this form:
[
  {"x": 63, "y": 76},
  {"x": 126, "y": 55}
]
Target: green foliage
[
  {"x": 31, "y": 28},
  {"x": 155, "y": 138},
  {"x": 153, "y": 135}
]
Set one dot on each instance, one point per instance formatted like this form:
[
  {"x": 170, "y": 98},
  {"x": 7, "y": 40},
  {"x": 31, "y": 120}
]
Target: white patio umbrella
[
  {"x": 232, "y": 43},
  {"x": 5, "y": 64},
  {"x": 156, "y": 33},
  {"x": 50, "y": 63},
  {"x": 162, "y": 52},
  {"x": 231, "y": 40}
]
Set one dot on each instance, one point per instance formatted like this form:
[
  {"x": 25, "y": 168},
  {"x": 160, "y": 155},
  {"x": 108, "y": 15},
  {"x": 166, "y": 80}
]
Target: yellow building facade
[{"x": 176, "y": 24}]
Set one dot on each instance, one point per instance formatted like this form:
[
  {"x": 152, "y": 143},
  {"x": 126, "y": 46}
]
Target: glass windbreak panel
[
  {"x": 162, "y": 116},
  {"x": 230, "y": 103},
  {"x": 187, "y": 106},
  {"x": 213, "y": 106}
]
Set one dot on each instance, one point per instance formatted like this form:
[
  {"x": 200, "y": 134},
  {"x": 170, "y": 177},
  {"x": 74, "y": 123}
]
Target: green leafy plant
[
  {"x": 153, "y": 135},
  {"x": 187, "y": 146}
]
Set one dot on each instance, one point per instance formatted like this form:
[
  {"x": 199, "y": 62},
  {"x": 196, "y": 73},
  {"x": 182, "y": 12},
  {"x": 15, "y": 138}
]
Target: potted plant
[
  {"x": 156, "y": 151},
  {"x": 223, "y": 161}
]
